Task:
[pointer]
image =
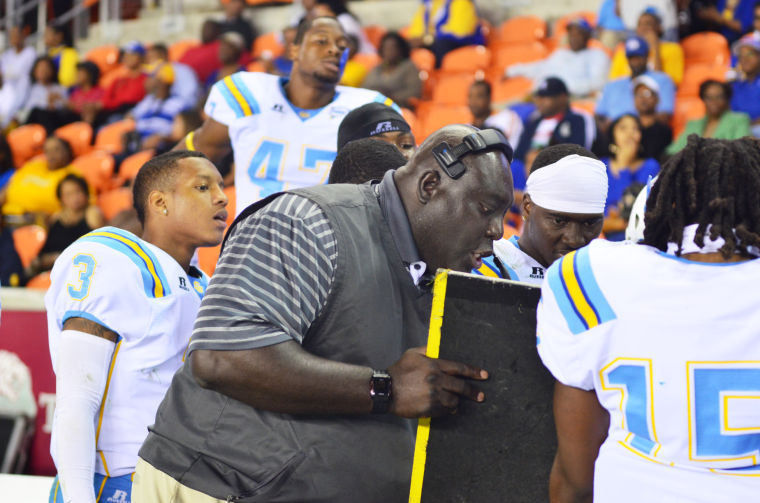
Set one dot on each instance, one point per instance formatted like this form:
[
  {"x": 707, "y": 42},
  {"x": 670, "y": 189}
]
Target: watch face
[{"x": 381, "y": 386}]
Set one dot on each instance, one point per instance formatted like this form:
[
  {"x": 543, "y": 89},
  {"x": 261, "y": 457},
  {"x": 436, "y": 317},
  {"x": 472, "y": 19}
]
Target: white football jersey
[
  {"x": 519, "y": 265},
  {"x": 276, "y": 145},
  {"x": 114, "y": 278},
  {"x": 672, "y": 349}
]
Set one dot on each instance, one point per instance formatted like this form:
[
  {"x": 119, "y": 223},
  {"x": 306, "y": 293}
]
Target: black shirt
[{"x": 655, "y": 139}]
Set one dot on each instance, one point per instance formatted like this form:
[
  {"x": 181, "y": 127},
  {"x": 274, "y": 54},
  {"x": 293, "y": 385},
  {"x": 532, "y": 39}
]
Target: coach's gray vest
[{"x": 374, "y": 312}]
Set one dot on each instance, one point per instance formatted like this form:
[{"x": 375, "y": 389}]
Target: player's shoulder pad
[{"x": 128, "y": 253}]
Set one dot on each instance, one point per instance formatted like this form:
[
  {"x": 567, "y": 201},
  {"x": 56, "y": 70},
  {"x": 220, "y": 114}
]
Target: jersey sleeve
[{"x": 231, "y": 98}]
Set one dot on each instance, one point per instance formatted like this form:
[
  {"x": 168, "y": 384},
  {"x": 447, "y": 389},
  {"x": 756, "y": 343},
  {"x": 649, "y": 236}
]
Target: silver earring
[{"x": 166, "y": 212}]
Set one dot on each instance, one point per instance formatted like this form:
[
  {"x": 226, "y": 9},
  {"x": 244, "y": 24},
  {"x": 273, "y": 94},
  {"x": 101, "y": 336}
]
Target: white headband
[{"x": 574, "y": 184}]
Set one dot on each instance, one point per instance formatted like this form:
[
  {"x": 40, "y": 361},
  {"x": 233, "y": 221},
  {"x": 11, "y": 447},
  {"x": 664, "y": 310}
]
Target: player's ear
[
  {"x": 157, "y": 203},
  {"x": 526, "y": 206},
  {"x": 292, "y": 51},
  {"x": 427, "y": 185}
]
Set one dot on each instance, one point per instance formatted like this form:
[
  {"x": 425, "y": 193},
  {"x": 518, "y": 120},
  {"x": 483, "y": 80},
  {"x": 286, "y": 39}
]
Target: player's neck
[
  {"x": 179, "y": 252},
  {"x": 715, "y": 257},
  {"x": 527, "y": 247},
  {"x": 308, "y": 95}
]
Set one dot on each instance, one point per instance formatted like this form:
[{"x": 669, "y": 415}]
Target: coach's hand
[{"x": 424, "y": 387}]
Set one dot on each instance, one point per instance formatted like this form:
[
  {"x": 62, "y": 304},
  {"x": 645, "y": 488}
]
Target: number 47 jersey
[
  {"x": 276, "y": 145},
  {"x": 672, "y": 350}
]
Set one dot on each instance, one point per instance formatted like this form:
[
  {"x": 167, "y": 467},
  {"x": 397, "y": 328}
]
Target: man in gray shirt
[{"x": 280, "y": 398}]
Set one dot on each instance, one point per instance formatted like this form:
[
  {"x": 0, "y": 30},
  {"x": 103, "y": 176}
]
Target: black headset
[{"x": 450, "y": 159}]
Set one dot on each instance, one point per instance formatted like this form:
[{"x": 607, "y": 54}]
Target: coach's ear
[{"x": 157, "y": 204}]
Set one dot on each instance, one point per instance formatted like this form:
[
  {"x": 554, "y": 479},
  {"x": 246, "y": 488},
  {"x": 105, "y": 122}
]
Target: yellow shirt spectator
[
  {"x": 353, "y": 74},
  {"x": 452, "y": 18},
  {"x": 66, "y": 59},
  {"x": 671, "y": 56}
]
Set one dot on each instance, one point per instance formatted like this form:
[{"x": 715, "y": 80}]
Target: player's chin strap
[
  {"x": 711, "y": 246},
  {"x": 81, "y": 375}
]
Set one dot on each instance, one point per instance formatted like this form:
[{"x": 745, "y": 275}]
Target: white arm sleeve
[{"x": 81, "y": 375}]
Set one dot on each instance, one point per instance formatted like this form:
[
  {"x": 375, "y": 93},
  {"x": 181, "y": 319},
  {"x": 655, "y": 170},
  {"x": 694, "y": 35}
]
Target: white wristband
[{"x": 83, "y": 363}]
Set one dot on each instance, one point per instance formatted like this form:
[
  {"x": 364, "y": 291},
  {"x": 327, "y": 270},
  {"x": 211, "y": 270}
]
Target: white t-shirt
[{"x": 508, "y": 122}]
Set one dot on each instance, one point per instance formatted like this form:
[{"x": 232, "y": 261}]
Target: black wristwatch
[{"x": 380, "y": 386}]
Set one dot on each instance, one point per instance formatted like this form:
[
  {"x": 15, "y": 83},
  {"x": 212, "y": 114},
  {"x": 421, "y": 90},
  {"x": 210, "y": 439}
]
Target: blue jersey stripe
[
  {"x": 237, "y": 79},
  {"x": 230, "y": 99},
  {"x": 590, "y": 287},
  {"x": 573, "y": 319}
]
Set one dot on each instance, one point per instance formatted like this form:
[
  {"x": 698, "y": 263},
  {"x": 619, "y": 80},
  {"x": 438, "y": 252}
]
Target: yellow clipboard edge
[{"x": 433, "y": 347}]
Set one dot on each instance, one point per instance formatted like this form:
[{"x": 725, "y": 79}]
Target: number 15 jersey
[
  {"x": 276, "y": 145},
  {"x": 672, "y": 350}
]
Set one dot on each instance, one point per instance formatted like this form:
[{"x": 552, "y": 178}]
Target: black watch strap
[{"x": 380, "y": 387}]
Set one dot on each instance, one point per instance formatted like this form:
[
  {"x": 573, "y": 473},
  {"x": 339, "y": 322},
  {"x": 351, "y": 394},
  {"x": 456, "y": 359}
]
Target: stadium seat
[
  {"x": 78, "y": 134},
  {"x": 97, "y": 168},
  {"x": 207, "y": 258},
  {"x": 26, "y": 142},
  {"x": 267, "y": 46},
  {"x": 466, "y": 59},
  {"x": 375, "y": 33},
  {"x": 686, "y": 109},
  {"x": 132, "y": 164},
  {"x": 256, "y": 66},
  {"x": 28, "y": 241},
  {"x": 695, "y": 74},
  {"x": 588, "y": 106},
  {"x": 179, "y": 48},
  {"x": 440, "y": 116},
  {"x": 114, "y": 201},
  {"x": 707, "y": 48},
  {"x": 105, "y": 56},
  {"x": 109, "y": 137},
  {"x": 521, "y": 29},
  {"x": 452, "y": 89},
  {"x": 413, "y": 122},
  {"x": 109, "y": 77},
  {"x": 368, "y": 60},
  {"x": 423, "y": 59},
  {"x": 40, "y": 282},
  {"x": 518, "y": 53},
  {"x": 232, "y": 202},
  {"x": 559, "y": 30},
  {"x": 513, "y": 89}
]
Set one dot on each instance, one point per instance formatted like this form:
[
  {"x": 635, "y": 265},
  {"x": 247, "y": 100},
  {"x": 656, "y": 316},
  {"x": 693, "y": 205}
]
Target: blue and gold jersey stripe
[
  {"x": 488, "y": 269},
  {"x": 154, "y": 280},
  {"x": 578, "y": 295},
  {"x": 238, "y": 96},
  {"x": 380, "y": 98}
]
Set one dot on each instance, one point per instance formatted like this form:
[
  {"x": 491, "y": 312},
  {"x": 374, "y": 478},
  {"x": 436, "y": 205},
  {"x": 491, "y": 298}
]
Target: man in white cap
[
  {"x": 563, "y": 210},
  {"x": 655, "y": 134}
]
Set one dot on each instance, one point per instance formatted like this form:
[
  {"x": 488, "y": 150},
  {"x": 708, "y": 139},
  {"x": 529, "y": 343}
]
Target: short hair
[
  {"x": 160, "y": 48},
  {"x": 65, "y": 144},
  {"x": 92, "y": 71},
  {"x": 484, "y": 84},
  {"x": 305, "y": 25},
  {"x": 49, "y": 61},
  {"x": 364, "y": 160},
  {"x": 728, "y": 91},
  {"x": 63, "y": 31},
  {"x": 157, "y": 174},
  {"x": 406, "y": 49},
  {"x": 72, "y": 178},
  {"x": 337, "y": 6},
  {"x": 554, "y": 153}
]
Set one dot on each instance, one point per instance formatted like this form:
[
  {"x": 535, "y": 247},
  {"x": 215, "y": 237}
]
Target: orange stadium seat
[
  {"x": 440, "y": 116},
  {"x": 423, "y": 59},
  {"x": 452, "y": 89},
  {"x": 105, "y": 56},
  {"x": 207, "y": 258},
  {"x": 412, "y": 120},
  {"x": 40, "y": 282},
  {"x": 559, "y": 30},
  {"x": 232, "y": 201},
  {"x": 375, "y": 33},
  {"x": 686, "y": 109},
  {"x": 513, "y": 89},
  {"x": 97, "y": 168},
  {"x": 695, "y": 74},
  {"x": 109, "y": 137},
  {"x": 707, "y": 48},
  {"x": 78, "y": 134},
  {"x": 518, "y": 53},
  {"x": 368, "y": 60},
  {"x": 588, "y": 106},
  {"x": 256, "y": 66},
  {"x": 267, "y": 46},
  {"x": 132, "y": 164},
  {"x": 466, "y": 59},
  {"x": 26, "y": 142},
  {"x": 179, "y": 48},
  {"x": 114, "y": 201},
  {"x": 109, "y": 77},
  {"x": 28, "y": 241},
  {"x": 521, "y": 29}
]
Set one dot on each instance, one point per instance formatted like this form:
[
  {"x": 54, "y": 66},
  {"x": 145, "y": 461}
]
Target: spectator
[
  {"x": 611, "y": 27},
  {"x": 664, "y": 56},
  {"x": 125, "y": 92},
  {"x": 76, "y": 218},
  {"x": 582, "y": 68},
  {"x": 730, "y": 18},
  {"x": 87, "y": 97},
  {"x": 6, "y": 165},
  {"x": 46, "y": 96},
  {"x": 444, "y": 25},
  {"x": 354, "y": 71},
  {"x": 378, "y": 122},
  {"x": 204, "y": 59},
  {"x": 655, "y": 135},
  {"x": 32, "y": 188},
  {"x": 183, "y": 123},
  {"x": 746, "y": 88},
  {"x": 235, "y": 22},
  {"x": 719, "y": 121},
  {"x": 154, "y": 114},
  {"x": 65, "y": 58},
  {"x": 11, "y": 269},
  {"x": 349, "y": 22},
  {"x": 756, "y": 18},
  {"x": 630, "y": 13},
  {"x": 396, "y": 76},
  {"x": 15, "y": 66},
  {"x": 617, "y": 96},
  {"x": 553, "y": 122},
  {"x": 363, "y": 160},
  {"x": 186, "y": 85},
  {"x": 231, "y": 47},
  {"x": 282, "y": 64},
  {"x": 625, "y": 165},
  {"x": 506, "y": 121}
]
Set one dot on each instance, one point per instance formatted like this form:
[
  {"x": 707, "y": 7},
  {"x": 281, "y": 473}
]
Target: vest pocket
[{"x": 271, "y": 484}]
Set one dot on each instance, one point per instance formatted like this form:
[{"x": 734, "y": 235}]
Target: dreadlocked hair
[{"x": 713, "y": 183}]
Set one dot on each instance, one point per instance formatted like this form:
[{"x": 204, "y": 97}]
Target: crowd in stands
[{"x": 629, "y": 82}]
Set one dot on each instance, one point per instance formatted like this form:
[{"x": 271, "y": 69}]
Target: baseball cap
[
  {"x": 133, "y": 46},
  {"x": 550, "y": 87},
  {"x": 370, "y": 120},
  {"x": 580, "y": 23},
  {"x": 649, "y": 82},
  {"x": 636, "y": 46},
  {"x": 161, "y": 71},
  {"x": 750, "y": 40},
  {"x": 652, "y": 11}
]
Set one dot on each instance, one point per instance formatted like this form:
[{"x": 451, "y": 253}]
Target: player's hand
[{"x": 425, "y": 387}]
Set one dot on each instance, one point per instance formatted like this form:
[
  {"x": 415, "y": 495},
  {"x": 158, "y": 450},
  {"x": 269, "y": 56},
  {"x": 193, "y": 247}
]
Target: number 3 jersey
[
  {"x": 114, "y": 278},
  {"x": 672, "y": 350},
  {"x": 276, "y": 145}
]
